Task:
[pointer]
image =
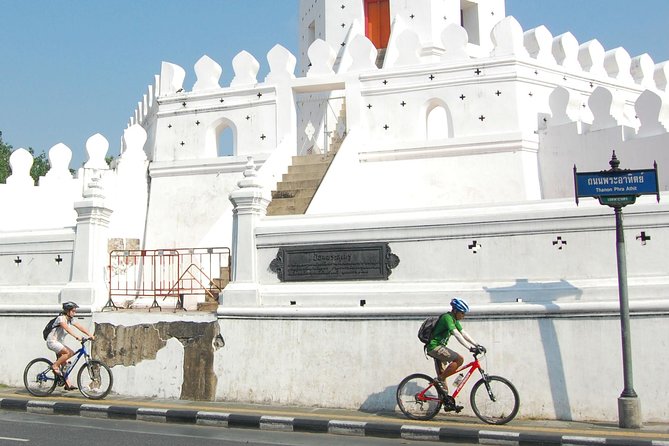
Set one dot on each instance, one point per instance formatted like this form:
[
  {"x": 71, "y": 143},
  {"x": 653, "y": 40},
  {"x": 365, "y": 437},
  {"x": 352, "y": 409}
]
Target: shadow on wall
[
  {"x": 545, "y": 294},
  {"x": 542, "y": 293},
  {"x": 380, "y": 401}
]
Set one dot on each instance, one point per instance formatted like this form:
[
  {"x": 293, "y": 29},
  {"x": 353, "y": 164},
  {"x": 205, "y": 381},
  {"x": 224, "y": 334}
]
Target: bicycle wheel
[
  {"x": 495, "y": 400},
  {"x": 418, "y": 398},
  {"x": 38, "y": 377},
  {"x": 95, "y": 380}
]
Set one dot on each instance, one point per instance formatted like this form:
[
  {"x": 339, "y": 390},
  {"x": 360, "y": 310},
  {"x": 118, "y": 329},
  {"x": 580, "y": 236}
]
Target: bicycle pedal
[{"x": 453, "y": 408}]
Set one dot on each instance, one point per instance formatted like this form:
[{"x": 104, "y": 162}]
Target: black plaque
[{"x": 349, "y": 261}]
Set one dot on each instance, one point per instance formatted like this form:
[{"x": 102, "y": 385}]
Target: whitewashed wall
[{"x": 565, "y": 367}]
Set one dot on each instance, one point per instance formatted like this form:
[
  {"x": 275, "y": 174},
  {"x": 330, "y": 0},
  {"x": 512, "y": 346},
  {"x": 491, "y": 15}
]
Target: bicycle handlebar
[{"x": 478, "y": 350}]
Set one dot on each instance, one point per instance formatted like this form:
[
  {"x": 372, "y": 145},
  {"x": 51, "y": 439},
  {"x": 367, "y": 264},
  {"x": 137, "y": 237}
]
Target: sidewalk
[{"x": 335, "y": 421}]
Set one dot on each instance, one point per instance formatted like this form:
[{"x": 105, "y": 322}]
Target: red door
[{"x": 377, "y": 22}]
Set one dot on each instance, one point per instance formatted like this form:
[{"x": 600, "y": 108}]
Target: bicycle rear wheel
[
  {"x": 418, "y": 398},
  {"x": 95, "y": 380},
  {"x": 38, "y": 377},
  {"x": 495, "y": 400}
]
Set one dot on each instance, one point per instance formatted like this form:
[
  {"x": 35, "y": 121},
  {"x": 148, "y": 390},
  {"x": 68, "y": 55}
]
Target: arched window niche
[
  {"x": 438, "y": 120},
  {"x": 221, "y": 138}
]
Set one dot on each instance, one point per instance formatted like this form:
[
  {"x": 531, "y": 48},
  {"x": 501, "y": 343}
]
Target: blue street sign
[{"x": 616, "y": 183}]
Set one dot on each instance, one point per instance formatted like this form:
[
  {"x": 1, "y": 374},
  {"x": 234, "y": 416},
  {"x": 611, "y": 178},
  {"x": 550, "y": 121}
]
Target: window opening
[
  {"x": 377, "y": 22},
  {"x": 226, "y": 142}
]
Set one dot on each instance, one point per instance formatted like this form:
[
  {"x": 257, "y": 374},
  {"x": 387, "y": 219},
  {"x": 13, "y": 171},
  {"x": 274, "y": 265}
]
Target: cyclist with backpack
[
  {"x": 60, "y": 327},
  {"x": 447, "y": 361}
]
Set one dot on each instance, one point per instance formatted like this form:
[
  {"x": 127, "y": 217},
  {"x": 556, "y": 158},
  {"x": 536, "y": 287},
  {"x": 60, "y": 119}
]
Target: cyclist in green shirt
[{"x": 447, "y": 361}]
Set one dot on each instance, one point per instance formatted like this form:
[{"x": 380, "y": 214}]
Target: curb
[{"x": 313, "y": 425}]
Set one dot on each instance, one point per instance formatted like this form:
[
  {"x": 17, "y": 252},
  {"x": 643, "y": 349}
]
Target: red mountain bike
[{"x": 493, "y": 398}]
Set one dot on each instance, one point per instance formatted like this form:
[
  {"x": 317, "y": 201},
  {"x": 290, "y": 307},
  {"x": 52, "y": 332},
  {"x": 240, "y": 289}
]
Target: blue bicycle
[{"x": 94, "y": 378}]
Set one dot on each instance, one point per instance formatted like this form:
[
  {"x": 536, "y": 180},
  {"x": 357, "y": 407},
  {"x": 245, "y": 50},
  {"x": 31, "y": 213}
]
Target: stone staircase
[
  {"x": 298, "y": 186},
  {"x": 211, "y": 297}
]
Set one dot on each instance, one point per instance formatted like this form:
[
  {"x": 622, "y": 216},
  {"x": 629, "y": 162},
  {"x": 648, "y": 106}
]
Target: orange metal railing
[{"x": 163, "y": 273}]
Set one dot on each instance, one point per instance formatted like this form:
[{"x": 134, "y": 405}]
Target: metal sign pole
[
  {"x": 629, "y": 406},
  {"x": 618, "y": 188}
]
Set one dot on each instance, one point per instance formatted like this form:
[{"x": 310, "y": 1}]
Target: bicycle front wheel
[
  {"x": 418, "y": 398},
  {"x": 38, "y": 377},
  {"x": 95, "y": 380},
  {"x": 495, "y": 400}
]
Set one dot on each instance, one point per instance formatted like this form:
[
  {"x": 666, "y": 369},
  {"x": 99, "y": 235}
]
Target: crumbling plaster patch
[{"x": 123, "y": 347}]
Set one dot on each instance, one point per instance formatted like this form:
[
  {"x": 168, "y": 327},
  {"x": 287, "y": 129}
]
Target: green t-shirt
[{"x": 446, "y": 325}]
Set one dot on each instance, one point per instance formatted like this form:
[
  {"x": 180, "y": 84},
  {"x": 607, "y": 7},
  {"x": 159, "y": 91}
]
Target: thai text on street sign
[{"x": 617, "y": 186}]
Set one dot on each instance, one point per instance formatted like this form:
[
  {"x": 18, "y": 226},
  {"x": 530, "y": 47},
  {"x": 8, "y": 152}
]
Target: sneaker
[
  {"x": 452, "y": 408},
  {"x": 450, "y": 405}
]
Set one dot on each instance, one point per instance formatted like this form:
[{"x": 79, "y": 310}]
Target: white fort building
[{"x": 411, "y": 152}]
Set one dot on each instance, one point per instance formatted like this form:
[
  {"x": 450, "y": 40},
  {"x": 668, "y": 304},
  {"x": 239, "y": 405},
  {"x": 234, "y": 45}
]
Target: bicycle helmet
[
  {"x": 67, "y": 306},
  {"x": 459, "y": 305}
]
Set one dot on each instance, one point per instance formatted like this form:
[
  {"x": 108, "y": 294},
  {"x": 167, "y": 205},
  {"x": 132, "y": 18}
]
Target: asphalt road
[{"x": 19, "y": 428}]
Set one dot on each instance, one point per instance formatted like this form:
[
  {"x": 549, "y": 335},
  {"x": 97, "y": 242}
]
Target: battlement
[{"x": 250, "y": 107}]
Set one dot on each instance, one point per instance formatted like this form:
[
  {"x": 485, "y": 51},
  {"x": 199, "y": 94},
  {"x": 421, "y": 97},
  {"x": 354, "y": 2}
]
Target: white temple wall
[
  {"x": 565, "y": 366},
  {"x": 192, "y": 131},
  {"x": 203, "y": 190},
  {"x": 36, "y": 265},
  {"x": 465, "y": 251}
]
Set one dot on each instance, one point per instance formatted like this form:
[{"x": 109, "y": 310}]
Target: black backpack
[
  {"x": 49, "y": 326},
  {"x": 426, "y": 329}
]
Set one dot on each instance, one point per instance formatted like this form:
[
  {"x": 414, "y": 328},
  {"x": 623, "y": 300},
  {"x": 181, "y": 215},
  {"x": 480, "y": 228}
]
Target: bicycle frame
[
  {"x": 472, "y": 366},
  {"x": 77, "y": 356}
]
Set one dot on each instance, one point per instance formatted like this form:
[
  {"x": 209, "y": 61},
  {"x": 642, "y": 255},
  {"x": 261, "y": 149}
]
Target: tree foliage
[
  {"x": 39, "y": 168},
  {"x": 5, "y": 151}
]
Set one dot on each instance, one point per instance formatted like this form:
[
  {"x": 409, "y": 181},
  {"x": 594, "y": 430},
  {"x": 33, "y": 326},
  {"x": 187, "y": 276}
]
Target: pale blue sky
[{"x": 73, "y": 68}]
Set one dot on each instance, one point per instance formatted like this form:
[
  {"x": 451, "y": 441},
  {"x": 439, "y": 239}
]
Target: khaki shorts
[{"x": 442, "y": 356}]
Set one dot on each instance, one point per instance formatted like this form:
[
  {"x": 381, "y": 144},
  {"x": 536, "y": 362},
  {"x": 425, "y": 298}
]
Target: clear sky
[{"x": 73, "y": 68}]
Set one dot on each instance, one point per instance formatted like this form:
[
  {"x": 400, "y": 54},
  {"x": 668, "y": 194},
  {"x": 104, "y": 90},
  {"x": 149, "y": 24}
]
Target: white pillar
[
  {"x": 250, "y": 203},
  {"x": 87, "y": 284}
]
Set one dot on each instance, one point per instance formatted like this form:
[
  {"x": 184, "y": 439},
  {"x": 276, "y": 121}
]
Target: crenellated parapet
[
  {"x": 49, "y": 203},
  {"x": 569, "y": 139},
  {"x": 187, "y": 124}
]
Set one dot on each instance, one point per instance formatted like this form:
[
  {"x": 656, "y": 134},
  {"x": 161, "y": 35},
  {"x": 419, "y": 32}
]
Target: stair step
[
  {"x": 296, "y": 185},
  {"x": 224, "y": 272},
  {"x": 220, "y": 283},
  {"x": 306, "y": 176},
  {"x": 207, "y": 306},
  {"x": 317, "y": 169},
  {"x": 288, "y": 206},
  {"x": 286, "y": 210},
  {"x": 316, "y": 158},
  {"x": 293, "y": 193}
]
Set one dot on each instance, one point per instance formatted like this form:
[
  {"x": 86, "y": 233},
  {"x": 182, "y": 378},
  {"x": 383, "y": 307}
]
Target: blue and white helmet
[{"x": 459, "y": 305}]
